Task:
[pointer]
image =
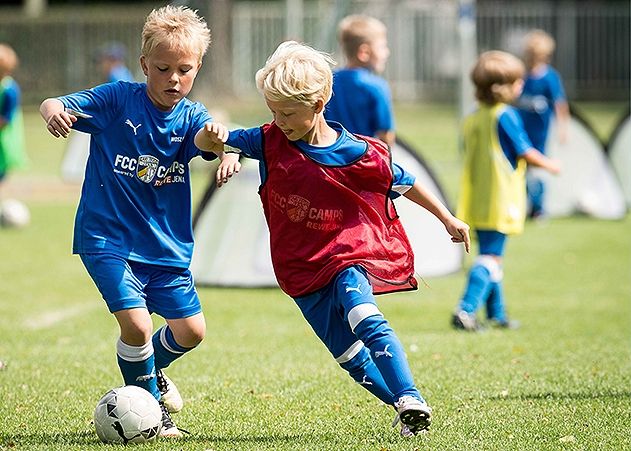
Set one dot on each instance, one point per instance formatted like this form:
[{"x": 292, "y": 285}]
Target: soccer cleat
[
  {"x": 465, "y": 321},
  {"x": 415, "y": 415},
  {"x": 169, "y": 394},
  {"x": 169, "y": 429}
]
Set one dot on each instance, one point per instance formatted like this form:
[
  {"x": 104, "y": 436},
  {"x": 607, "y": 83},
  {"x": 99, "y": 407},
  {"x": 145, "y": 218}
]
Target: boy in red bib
[{"x": 335, "y": 236}]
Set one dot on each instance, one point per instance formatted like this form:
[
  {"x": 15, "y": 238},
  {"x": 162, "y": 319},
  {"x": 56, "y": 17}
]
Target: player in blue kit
[
  {"x": 133, "y": 227},
  {"x": 361, "y": 99},
  {"x": 493, "y": 188},
  {"x": 335, "y": 237},
  {"x": 542, "y": 98}
]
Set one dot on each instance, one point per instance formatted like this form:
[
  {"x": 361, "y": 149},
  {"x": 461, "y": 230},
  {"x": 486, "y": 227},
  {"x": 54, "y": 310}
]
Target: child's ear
[
  {"x": 319, "y": 106},
  {"x": 364, "y": 51},
  {"x": 143, "y": 65}
]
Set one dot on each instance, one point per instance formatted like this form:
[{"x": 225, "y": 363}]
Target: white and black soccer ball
[
  {"x": 14, "y": 213},
  {"x": 127, "y": 414}
]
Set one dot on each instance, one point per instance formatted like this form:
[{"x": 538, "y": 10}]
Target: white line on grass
[{"x": 54, "y": 317}]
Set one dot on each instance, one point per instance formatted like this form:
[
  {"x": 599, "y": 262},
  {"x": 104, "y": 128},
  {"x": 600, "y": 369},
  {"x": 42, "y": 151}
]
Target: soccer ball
[
  {"x": 127, "y": 414},
  {"x": 14, "y": 213}
]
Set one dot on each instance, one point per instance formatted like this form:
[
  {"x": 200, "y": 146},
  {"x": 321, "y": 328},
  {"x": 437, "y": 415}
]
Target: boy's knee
[
  {"x": 492, "y": 265},
  {"x": 354, "y": 359}
]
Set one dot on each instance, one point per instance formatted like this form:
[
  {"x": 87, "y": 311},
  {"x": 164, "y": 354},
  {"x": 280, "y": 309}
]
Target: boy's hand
[
  {"x": 215, "y": 135},
  {"x": 60, "y": 123},
  {"x": 227, "y": 168},
  {"x": 459, "y": 232},
  {"x": 554, "y": 166}
]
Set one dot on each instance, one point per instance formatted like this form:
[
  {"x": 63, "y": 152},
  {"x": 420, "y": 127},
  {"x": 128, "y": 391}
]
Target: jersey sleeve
[
  {"x": 402, "y": 181},
  {"x": 248, "y": 141},
  {"x": 102, "y": 103},
  {"x": 513, "y": 137}
]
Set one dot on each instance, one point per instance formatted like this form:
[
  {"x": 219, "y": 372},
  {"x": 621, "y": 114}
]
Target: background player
[
  {"x": 493, "y": 191},
  {"x": 361, "y": 99},
  {"x": 542, "y": 98}
]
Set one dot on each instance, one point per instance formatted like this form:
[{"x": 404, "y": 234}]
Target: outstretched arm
[
  {"x": 535, "y": 158},
  {"x": 458, "y": 230}
]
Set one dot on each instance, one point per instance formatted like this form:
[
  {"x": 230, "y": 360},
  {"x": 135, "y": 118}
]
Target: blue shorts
[
  {"x": 124, "y": 284},
  {"x": 327, "y": 309},
  {"x": 491, "y": 242}
]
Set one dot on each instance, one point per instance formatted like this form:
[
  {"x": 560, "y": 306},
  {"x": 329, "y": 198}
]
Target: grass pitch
[{"x": 262, "y": 381}]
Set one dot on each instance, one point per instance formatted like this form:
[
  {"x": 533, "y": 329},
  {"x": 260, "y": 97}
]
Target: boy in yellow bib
[{"x": 493, "y": 192}]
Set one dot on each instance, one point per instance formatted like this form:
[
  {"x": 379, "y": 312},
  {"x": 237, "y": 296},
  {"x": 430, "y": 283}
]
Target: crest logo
[
  {"x": 297, "y": 208},
  {"x": 147, "y": 168}
]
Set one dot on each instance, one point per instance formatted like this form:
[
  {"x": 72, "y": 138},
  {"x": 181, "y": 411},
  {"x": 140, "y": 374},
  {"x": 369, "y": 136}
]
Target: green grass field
[{"x": 262, "y": 381}]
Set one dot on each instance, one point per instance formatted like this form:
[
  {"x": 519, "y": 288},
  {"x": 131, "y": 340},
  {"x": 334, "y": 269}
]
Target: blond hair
[
  {"x": 538, "y": 47},
  {"x": 178, "y": 28},
  {"x": 296, "y": 72},
  {"x": 8, "y": 60},
  {"x": 494, "y": 74},
  {"x": 358, "y": 29}
]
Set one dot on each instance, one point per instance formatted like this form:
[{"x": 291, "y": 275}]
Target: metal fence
[{"x": 593, "y": 42}]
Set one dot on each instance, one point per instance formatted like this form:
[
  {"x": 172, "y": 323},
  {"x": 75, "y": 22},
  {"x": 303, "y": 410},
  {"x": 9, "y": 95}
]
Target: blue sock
[
  {"x": 365, "y": 372},
  {"x": 495, "y": 303},
  {"x": 165, "y": 347},
  {"x": 388, "y": 355},
  {"x": 137, "y": 366},
  {"x": 477, "y": 290}
]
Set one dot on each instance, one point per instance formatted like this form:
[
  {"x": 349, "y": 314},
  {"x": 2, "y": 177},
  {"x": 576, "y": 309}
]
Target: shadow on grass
[{"x": 555, "y": 396}]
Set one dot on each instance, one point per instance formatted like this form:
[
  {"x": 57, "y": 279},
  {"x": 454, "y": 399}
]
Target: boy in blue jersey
[
  {"x": 542, "y": 98},
  {"x": 11, "y": 122},
  {"x": 361, "y": 99},
  {"x": 335, "y": 238},
  {"x": 493, "y": 190},
  {"x": 133, "y": 225}
]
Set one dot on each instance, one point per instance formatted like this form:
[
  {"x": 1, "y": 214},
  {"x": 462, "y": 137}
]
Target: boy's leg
[
  {"x": 172, "y": 295},
  {"x": 476, "y": 292},
  {"x": 386, "y": 351},
  {"x": 136, "y": 360},
  {"x": 122, "y": 288}
]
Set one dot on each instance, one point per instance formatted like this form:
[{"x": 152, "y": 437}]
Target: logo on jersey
[
  {"x": 297, "y": 208},
  {"x": 177, "y": 139},
  {"x": 147, "y": 168},
  {"x": 133, "y": 127}
]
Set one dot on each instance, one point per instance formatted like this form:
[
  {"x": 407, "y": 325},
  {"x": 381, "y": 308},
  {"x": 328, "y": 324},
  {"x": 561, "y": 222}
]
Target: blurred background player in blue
[
  {"x": 361, "y": 98},
  {"x": 493, "y": 189},
  {"x": 542, "y": 98},
  {"x": 11, "y": 122},
  {"x": 111, "y": 60}
]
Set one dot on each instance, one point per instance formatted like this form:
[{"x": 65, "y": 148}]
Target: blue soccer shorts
[
  {"x": 335, "y": 310},
  {"x": 125, "y": 284}
]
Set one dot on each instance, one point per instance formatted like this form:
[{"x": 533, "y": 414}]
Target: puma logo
[
  {"x": 134, "y": 127},
  {"x": 358, "y": 289},
  {"x": 385, "y": 352}
]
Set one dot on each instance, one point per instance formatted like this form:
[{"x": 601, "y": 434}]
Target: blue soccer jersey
[
  {"x": 512, "y": 136},
  {"x": 346, "y": 149},
  {"x": 536, "y": 104},
  {"x": 136, "y": 196},
  {"x": 361, "y": 101}
]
